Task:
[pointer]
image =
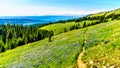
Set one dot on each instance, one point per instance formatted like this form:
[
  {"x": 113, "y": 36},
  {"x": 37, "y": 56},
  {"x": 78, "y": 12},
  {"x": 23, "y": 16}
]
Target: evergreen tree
[
  {"x": 50, "y": 36},
  {"x": 84, "y": 25},
  {"x": 65, "y": 30}
]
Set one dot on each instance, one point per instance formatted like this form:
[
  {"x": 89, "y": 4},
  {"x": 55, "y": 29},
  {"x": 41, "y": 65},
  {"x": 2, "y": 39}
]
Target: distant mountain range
[{"x": 30, "y": 20}]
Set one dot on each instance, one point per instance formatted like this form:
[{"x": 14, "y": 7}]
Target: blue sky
[{"x": 55, "y": 7}]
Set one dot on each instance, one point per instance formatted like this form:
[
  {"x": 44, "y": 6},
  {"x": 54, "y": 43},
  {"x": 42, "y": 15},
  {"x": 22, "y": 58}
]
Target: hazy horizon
[
  {"x": 55, "y": 7},
  {"x": 44, "y": 15}
]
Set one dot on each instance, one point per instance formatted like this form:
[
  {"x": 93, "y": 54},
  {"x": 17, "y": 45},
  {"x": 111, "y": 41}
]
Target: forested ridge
[{"x": 12, "y": 36}]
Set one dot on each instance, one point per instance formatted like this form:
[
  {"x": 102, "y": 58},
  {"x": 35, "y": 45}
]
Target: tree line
[{"x": 12, "y": 36}]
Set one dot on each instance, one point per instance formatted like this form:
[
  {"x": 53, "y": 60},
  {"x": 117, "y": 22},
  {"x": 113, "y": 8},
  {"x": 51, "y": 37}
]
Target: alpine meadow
[{"x": 82, "y": 38}]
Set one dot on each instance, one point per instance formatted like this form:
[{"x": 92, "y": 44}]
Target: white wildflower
[
  {"x": 91, "y": 62},
  {"x": 104, "y": 67},
  {"x": 112, "y": 66}
]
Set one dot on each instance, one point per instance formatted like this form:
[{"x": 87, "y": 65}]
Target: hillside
[
  {"x": 89, "y": 20},
  {"x": 101, "y": 43},
  {"x": 104, "y": 37}
]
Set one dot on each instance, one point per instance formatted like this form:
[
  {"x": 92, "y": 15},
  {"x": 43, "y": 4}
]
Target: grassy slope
[
  {"x": 107, "y": 49},
  {"x": 63, "y": 50},
  {"x": 96, "y": 15},
  {"x": 60, "y": 26}
]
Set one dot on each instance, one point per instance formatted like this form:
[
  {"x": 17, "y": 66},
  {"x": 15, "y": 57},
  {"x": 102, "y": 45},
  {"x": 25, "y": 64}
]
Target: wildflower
[{"x": 91, "y": 62}]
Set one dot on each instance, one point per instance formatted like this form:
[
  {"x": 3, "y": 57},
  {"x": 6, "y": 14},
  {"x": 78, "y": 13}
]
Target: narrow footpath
[{"x": 81, "y": 64}]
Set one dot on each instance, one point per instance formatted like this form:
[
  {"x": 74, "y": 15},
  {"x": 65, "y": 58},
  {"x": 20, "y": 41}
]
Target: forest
[{"x": 12, "y": 36}]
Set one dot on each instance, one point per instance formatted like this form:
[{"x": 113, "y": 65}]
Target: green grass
[
  {"x": 102, "y": 48},
  {"x": 60, "y": 27},
  {"x": 117, "y": 11},
  {"x": 107, "y": 49},
  {"x": 96, "y": 15},
  {"x": 61, "y": 53}
]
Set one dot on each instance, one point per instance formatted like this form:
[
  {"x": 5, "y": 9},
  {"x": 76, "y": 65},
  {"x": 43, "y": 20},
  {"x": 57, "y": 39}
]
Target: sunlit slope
[
  {"x": 61, "y": 52},
  {"x": 102, "y": 46},
  {"x": 109, "y": 13},
  {"x": 58, "y": 27},
  {"x": 90, "y": 20},
  {"x": 97, "y": 14},
  {"x": 106, "y": 50}
]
